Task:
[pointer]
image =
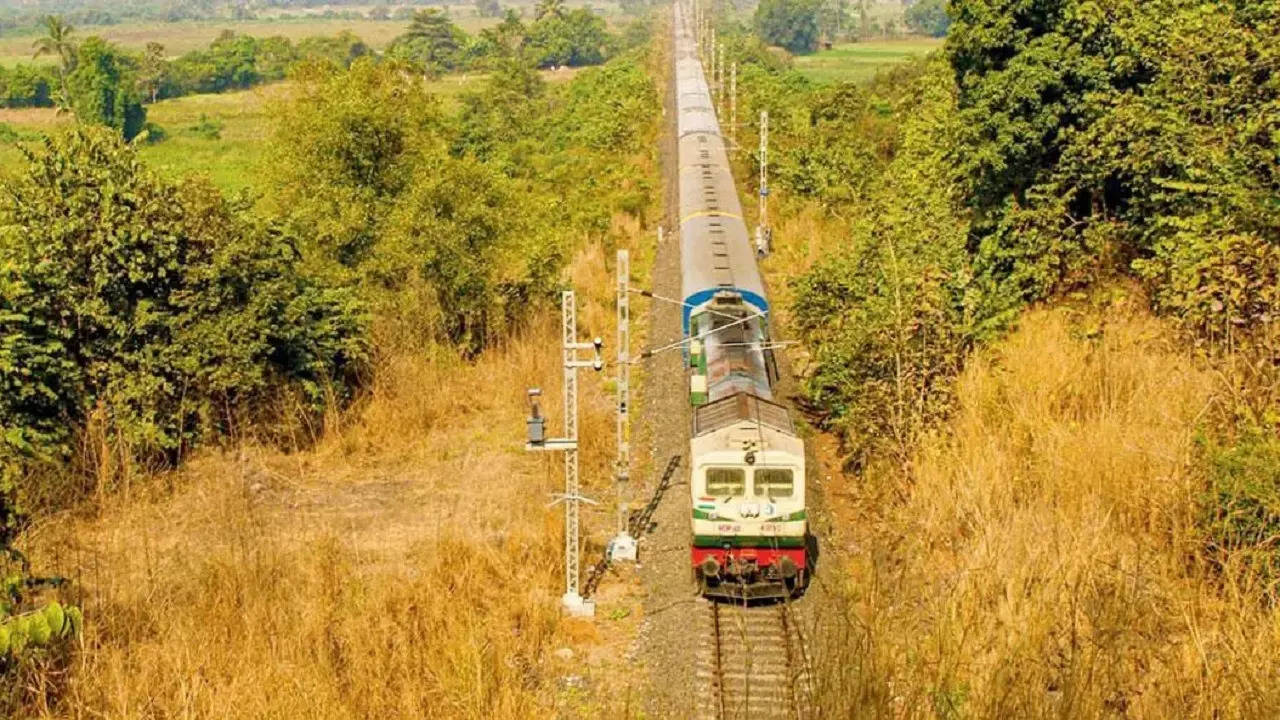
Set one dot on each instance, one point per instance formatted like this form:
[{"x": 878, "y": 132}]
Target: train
[{"x": 750, "y": 531}]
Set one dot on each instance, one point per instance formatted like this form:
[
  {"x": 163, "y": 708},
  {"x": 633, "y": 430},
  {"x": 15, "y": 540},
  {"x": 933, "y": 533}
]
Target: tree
[
  {"x": 151, "y": 71},
  {"x": 886, "y": 315},
  {"x": 341, "y": 50},
  {"x": 432, "y": 41},
  {"x": 101, "y": 90},
  {"x": 505, "y": 39},
  {"x": 455, "y": 229},
  {"x": 275, "y": 55},
  {"x": 578, "y": 37},
  {"x": 343, "y": 150},
  {"x": 549, "y": 8},
  {"x": 928, "y": 17},
  {"x": 58, "y": 43},
  {"x": 791, "y": 24}
]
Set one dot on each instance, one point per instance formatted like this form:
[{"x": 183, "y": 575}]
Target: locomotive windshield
[
  {"x": 766, "y": 483},
  {"x": 774, "y": 483},
  {"x": 726, "y": 482}
]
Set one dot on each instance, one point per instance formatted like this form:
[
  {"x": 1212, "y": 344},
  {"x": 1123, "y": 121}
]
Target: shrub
[
  {"x": 1240, "y": 512},
  {"x": 160, "y": 311},
  {"x": 153, "y": 134},
  {"x": 207, "y": 128},
  {"x": 344, "y": 149}
]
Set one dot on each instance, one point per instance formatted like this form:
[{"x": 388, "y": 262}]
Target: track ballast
[{"x": 752, "y": 663}]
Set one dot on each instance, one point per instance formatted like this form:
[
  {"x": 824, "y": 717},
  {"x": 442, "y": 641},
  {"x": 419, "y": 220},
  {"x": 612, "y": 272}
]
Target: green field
[
  {"x": 230, "y": 160},
  {"x": 233, "y": 159},
  {"x": 859, "y": 62}
]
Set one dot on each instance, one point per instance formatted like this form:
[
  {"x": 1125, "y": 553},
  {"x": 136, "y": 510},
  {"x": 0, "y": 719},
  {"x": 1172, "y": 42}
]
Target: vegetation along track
[{"x": 752, "y": 663}]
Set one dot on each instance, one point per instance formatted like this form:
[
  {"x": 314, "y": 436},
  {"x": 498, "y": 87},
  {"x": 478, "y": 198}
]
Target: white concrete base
[
  {"x": 578, "y": 606},
  {"x": 622, "y": 548}
]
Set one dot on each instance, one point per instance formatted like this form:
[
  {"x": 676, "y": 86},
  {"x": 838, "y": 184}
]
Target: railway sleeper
[{"x": 777, "y": 680}]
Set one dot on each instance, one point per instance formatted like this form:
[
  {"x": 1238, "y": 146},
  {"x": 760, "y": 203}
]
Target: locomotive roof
[{"x": 738, "y": 408}]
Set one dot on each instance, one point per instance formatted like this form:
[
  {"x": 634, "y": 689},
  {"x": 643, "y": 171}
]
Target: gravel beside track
[{"x": 668, "y": 647}]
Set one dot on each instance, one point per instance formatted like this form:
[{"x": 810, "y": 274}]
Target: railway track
[{"x": 752, "y": 663}]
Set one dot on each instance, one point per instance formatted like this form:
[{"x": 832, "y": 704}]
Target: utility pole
[
  {"x": 711, "y": 47},
  {"x": 715, "y": 76},
  {"x": 623, "y": 546},
  {"x": 697, "y": 28},
  {"x": 764, "y": 234},
  {"x": 572, "y": 600},
  {"x": 733, "y": 104},
  {"x": 720, "y": 81}
]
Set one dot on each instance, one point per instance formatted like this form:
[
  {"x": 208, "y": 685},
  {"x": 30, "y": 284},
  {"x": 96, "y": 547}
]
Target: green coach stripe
[
  {"x": 745, "y": 541},
  {"x": 793, "y": 517}
]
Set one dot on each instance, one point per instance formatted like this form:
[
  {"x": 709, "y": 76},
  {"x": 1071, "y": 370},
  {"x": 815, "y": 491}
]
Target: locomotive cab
[{"x": 748, "y": 495}]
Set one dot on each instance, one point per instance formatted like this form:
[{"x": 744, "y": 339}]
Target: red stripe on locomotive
[{"x": 762, "y": 557}]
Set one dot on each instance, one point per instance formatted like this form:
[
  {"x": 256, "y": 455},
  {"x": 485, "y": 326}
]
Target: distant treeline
[
  {"x": 232, "y": 61},
  {"x": 432, "y": 44},
  {"x": 113, "y": 12}
]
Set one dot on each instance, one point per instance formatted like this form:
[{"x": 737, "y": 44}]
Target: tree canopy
[
  {"x": 432, "y": 41},
  {"x": 102, "y": 90},
  {"x": 928, "y": 17},
  {"x": 791, "y": 24},
  {"x": 1066, "y": 141},
  {"x": 158, "y": 303}
]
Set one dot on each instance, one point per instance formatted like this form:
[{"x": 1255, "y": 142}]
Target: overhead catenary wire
[
  {"x": 709, "y": 333},
  {"x": 691, "y": 306},
  {"x": 646, "y": 354}
]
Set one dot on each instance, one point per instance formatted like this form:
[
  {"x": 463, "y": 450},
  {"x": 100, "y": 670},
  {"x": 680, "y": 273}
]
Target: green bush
[
  {"x": 102, "y": 89},
  {"x": 1240, "y": 513},
  {"x": 207, "y": 128},
  {"x": 153, "y": 134},
  {"x": 462, "y": 229},
  {"x": 344, "y": 150},
  {"x": 469, "y": 217},
  {"x": 889, "y": 316},
  {"x": 1090, "y": 140},
  {"x": 26, "y": 85},
  {"x": 160, "y": 309}
]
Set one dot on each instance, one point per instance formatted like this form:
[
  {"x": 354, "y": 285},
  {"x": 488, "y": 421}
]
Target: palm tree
[
  {"x": 58, "y": 43},
  {"x": 549, "y": 8}
]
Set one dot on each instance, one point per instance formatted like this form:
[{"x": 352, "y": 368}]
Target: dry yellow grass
[
  {"x": 1040, "y": 561},
  {"x": 407, "y": 566}
]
